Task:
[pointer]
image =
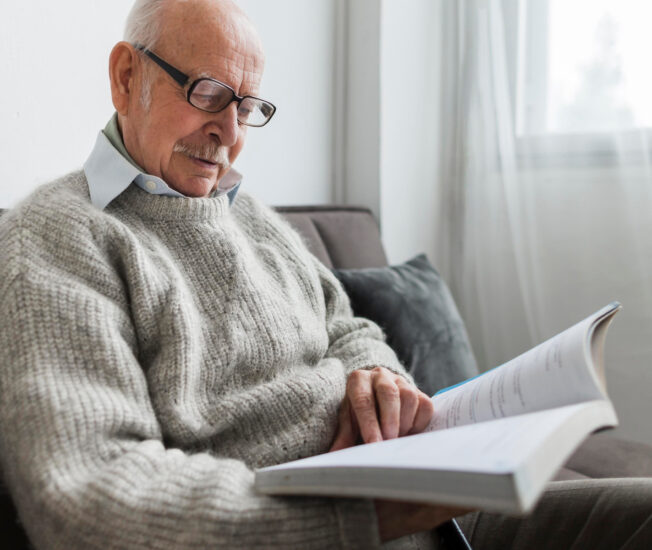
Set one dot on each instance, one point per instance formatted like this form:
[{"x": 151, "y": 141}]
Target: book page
[
  {"x": 557, "y": 372},
  {"x": 492, "y": 447}
]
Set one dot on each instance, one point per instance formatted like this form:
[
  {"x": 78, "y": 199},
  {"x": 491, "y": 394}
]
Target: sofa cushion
[
  {"x": 413, "y": 305},
  {"x": 604, "y": 455}
]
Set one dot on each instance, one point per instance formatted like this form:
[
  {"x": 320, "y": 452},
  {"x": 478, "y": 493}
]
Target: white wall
[
  {"x": 290, "y": 160},
  {"x": 361, "y": 104},
  {"x": 391, "y": 162},
  {"x": 410, "y": 129},
  {"x": 55, "y": 96}
]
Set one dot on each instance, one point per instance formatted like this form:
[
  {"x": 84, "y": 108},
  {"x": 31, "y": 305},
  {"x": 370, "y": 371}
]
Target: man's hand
[{"x": 380, "y": 405}]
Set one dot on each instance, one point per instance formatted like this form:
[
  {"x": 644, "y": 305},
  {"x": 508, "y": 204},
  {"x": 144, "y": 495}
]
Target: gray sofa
[{"x": 349, "y": 238}]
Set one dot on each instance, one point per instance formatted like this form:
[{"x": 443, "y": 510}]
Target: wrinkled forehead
[{"x": 209, "y": 39}]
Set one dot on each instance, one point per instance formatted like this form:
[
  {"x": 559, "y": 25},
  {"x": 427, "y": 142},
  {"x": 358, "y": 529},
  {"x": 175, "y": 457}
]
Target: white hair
[{"x": 143, "y": 27}]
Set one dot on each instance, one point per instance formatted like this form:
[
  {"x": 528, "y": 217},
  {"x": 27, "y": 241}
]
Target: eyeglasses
[{"x": 213, "y": 96}]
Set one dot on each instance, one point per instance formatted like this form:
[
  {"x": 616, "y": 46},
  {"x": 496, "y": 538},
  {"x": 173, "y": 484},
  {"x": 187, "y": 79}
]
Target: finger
[
  {"x": 363, "y": 405},
  {"x": 389, "y": 402},
  {"x": 347, "y": 429},
  {"x": 424, "y": 414},
  {"x": 409, "y": 396}
]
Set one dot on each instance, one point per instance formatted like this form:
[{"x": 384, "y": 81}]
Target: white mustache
[{"x": 209, "y": 151}]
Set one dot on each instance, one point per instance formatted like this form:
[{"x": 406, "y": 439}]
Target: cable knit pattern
[{"x": 156, "y": 352}]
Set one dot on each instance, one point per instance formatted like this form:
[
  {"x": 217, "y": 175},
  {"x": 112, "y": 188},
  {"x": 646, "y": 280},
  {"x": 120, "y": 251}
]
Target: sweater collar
[{"x": 110, "y": 169}]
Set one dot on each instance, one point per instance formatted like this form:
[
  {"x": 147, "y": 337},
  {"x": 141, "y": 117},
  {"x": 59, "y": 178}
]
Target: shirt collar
[{"x": 110, "y": 169}]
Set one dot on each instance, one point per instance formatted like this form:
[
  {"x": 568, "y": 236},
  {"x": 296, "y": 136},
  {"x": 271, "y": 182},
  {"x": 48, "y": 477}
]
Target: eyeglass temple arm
[{"x": 176, "y": 74}]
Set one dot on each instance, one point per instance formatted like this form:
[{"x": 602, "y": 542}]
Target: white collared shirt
[{"x": 109, "y": 173}]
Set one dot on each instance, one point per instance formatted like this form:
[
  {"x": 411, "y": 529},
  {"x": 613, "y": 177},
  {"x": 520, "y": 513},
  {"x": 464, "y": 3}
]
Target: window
[{"x": 583, "y": 66}]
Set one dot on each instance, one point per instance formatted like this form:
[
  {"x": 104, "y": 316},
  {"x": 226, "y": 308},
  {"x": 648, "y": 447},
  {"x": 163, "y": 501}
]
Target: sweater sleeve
[
  {"x": 81, "y": 448},
  {"x": 359, "y": 343}
]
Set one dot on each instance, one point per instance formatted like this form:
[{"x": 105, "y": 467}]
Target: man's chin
[{"x": 196, "y": 186}]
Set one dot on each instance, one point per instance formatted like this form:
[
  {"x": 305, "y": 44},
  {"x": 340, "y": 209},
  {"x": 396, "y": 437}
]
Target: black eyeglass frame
[{"x": 182, "y": 80}]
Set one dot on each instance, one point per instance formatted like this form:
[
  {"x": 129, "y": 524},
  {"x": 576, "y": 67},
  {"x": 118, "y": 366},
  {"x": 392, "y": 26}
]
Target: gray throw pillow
[{"x": 415, "y": 308}]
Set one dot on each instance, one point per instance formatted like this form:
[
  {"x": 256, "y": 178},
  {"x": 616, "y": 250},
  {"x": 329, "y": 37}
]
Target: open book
[{"x": 494, "y": 441}]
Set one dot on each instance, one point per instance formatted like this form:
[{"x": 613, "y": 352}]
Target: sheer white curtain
[{"x": 547, "y": 180}]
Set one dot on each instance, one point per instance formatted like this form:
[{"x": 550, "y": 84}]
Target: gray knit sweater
[{"x": 156, "y": 352}]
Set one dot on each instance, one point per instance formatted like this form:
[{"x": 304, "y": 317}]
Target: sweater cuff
[
  {"x": 358, "y": 523},
  {"x": 390, "y": 367},
  {"x": 382, "y": 356}
]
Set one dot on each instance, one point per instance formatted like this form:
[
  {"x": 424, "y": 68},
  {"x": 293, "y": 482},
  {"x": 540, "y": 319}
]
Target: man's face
[{"x": 191, "y": 150}]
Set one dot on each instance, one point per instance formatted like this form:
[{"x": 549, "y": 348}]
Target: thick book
[{"x": 494, "y": 442}]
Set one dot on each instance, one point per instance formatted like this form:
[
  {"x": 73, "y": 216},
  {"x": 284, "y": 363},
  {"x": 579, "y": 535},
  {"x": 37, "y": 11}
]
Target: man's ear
[{"x": 122, "y": 63}]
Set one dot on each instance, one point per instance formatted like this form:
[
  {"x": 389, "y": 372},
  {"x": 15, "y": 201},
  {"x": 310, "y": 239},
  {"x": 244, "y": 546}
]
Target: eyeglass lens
[{"x": 211, "y": 96}]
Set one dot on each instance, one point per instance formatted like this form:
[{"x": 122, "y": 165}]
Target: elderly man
[{"x": 164, "y": 334}]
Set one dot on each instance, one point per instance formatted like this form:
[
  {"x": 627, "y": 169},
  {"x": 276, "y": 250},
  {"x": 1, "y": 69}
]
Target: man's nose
[{"x": 224, "y": 125}]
